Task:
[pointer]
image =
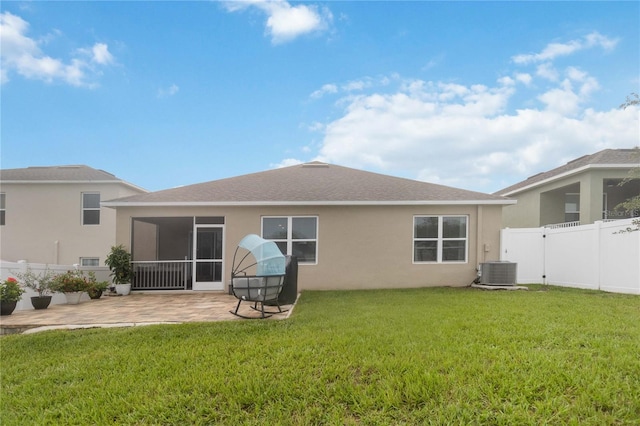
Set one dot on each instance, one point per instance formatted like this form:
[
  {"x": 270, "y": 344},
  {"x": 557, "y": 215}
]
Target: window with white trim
[
  {"x": 440, "y": 239},
  {"x": 91, "y": 208},
  {"x": 3, "y": 200},
  {"x": 89, "y": 261},
  {"x": 572, "y": 207},
  {"x": 294, "y": 235}
]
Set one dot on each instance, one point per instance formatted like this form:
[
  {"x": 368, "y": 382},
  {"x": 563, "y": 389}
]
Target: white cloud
[
  {"x": 327, "y": 88},
  {"x": 101, "y": 54},
  {"x": 463, "y": 135},
  {"x": 524, "y": 78},
  {"x": 23, "y": 55},
  {"x": 169, "y": 91},
  {"x": 354, "y": 86},
  {"x": 316, "y": 126},
  {"x": 565, "y": 99},
  {"x": 471, "y": 135},
  {"x": 286, "y": 22},
  {"x": 561, "y": 100},
  {"x": 286, "y": 163},
  {"x": 357, "y": 85},
  {"x": 554, "y": 50},
  {"x": 547, "y": 71}
]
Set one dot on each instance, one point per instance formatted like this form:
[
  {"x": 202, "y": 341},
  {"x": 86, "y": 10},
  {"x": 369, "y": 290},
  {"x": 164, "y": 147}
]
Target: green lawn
[{"x": 426, "y": 356}]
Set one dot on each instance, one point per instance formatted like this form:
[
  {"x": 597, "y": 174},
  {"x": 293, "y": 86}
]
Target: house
[
  {"x": 582, "y": 191},
  {"x": 53, "y": 214},
  {"x": 349, "y": 229}
]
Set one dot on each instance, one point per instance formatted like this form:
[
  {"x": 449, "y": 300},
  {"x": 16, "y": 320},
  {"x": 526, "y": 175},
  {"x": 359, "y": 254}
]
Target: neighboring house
[
  {"x": 53, "y": 214},
  {"x": 349, "y": 229},
  {"x": 582, "y": 191}
]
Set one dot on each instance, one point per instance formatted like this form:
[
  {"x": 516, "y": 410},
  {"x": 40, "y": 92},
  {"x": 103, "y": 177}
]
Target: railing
[
  {"x": 563, "y": 225},
  {"x": 162, "y": 275}
]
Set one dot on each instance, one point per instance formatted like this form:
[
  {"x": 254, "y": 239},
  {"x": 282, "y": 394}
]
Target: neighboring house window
[
  {"x": 3, "y": 200},
  {"x": 439, "y": 239},
  {"x": 91, "y": 208},
  {"x": 295, "y": 235},
  {"x": 89, "y": 261},
  {"x": 572, "y": 207}
]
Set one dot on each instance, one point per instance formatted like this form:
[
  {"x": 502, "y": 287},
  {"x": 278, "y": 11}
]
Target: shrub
[
  {"x": 10, "y": 291},
  {"x": 71, "y": 281}
]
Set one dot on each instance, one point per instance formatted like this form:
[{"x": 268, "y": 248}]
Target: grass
[{"x": 425, "y": 356}]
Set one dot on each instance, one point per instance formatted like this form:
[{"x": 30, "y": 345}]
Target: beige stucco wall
[
  {"x": 44, "y": 222},
  {"x": 358, "y": 246},
  {"x": 544, "y": 204}
]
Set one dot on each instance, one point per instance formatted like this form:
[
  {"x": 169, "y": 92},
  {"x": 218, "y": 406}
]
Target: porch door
[{"x": 207, "y": 267}]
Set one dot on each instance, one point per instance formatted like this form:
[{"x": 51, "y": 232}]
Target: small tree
[
  {"x": 632, "y": 99},
  {"x": 119, "y": 262},
  {"x": 42, "y": 282}
]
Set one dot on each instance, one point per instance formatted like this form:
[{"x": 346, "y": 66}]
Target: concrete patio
[{"x": 132, "y": 310}]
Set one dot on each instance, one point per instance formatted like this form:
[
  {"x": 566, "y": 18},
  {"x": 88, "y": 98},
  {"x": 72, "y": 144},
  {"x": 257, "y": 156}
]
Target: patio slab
[{"x": 132, "y": 310}]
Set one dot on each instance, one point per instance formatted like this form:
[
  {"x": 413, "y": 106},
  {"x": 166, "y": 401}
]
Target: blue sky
[{"x": 476, "y": 95}]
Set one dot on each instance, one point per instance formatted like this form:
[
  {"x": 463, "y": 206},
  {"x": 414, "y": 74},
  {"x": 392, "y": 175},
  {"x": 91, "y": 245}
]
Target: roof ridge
[{"x": 313, "y": 184}]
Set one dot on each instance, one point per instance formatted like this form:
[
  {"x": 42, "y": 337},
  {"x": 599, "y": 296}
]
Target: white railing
[
  {"x": 162, "y": 275},
  {"x": 563, "y": 225}
]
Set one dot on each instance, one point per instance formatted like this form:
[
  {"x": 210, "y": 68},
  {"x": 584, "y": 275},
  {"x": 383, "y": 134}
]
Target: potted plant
[
  {"x": 95, "y": 288},
  {"x": 10, "y": 293},
  {"x": 73, "y": 284},
  {"x": 41, "y": 283},
  {"x": 119, "y": 262}
]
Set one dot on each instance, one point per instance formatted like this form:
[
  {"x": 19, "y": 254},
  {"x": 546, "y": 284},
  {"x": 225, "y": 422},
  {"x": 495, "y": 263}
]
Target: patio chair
[{"x": 263, "y": 286}]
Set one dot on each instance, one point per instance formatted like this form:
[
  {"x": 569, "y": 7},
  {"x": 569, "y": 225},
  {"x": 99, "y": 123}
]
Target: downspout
[
  {"x": 544, "y": 255},
  {"x": 480, "y": 246},
  {"x": 56, "y": 252}
]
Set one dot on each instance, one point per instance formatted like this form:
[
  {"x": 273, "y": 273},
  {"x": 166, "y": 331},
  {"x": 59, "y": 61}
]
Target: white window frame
[
  {"x": 568, "y": 211},
  {"x": 83, "y": 209},
  {"x": 289, "y": 240},
  {"x": 440, "y": 239},
  {"x": 84, "y": 260}
]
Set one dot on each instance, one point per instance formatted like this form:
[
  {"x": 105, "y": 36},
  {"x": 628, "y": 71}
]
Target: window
[
  {"x": 440, "y": 239},
  {"x": 89, "y": 261},
  {"x": 3, "y": 200},
  {"x": 91, "y": 208},
  {"x": 295, "y": 235},
  {"x": 572, "y": 207}
]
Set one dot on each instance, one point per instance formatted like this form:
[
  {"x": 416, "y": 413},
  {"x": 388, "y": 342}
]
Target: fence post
[
  {"x": 23, "y": 266},
  {"x": 597, "y": 230}
]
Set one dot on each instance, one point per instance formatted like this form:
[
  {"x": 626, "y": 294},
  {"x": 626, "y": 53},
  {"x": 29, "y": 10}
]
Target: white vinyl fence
[
  {"x": 592, "y": 256},
  {"x": 11, "y": 269}
]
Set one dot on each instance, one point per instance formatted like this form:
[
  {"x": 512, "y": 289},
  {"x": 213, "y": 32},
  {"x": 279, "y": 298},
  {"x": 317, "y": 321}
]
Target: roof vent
[{"x": 315, "y": 164}]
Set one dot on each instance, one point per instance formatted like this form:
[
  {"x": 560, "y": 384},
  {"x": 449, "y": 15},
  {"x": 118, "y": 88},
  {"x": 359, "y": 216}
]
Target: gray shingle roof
[
  {"x": 313, "y": 183},
  {"x": 72, "y": 173},
  {"x": 56, "y": 173},
  {"x": 600, "y": 158}
]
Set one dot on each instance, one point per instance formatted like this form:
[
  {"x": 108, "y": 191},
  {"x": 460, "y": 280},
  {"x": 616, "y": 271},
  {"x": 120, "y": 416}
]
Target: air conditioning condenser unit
[{"x": 498, "y": 273}]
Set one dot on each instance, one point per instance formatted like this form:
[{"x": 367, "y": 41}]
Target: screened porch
[{"x": 163, "y": 253}]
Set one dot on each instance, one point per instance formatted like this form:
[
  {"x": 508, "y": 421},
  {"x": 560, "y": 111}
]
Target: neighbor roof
[
  {"x": 310, "y": 184},
  {"x": 608, "y": 158},
  {"x": 60, "y": 174}
]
